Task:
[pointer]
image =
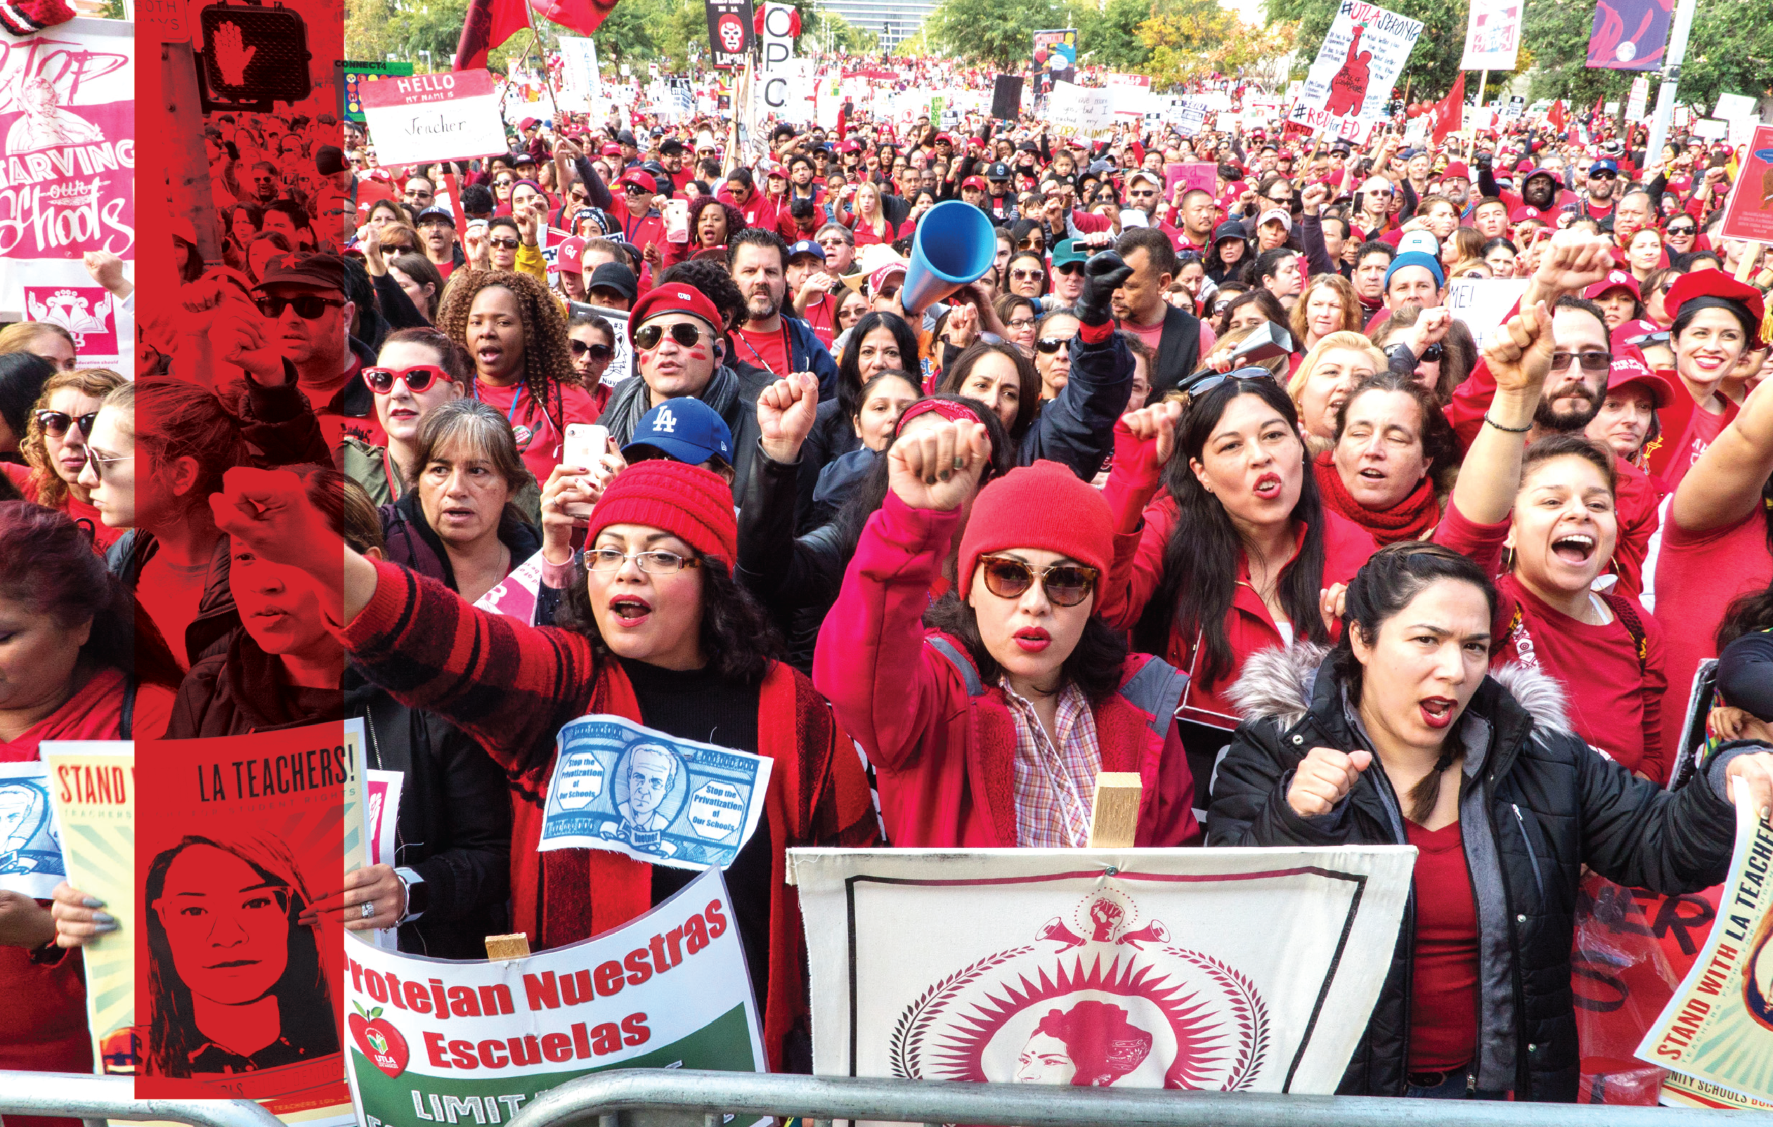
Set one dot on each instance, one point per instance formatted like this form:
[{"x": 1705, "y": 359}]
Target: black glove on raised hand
[{"x": 1103, "y": 274}]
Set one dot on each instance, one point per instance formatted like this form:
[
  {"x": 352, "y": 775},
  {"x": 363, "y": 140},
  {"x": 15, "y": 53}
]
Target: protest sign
[
  {"x": 1733, "y": 106},
  {"x": 1357, "y": 65},
  {"x": 1222, "y": 970},
  {"x": 1189, "y": 115},
  {"x": 1640, "y": 96},
  {"x": 1079, "y": 111},
  {"x": 450, "y": 1041},
  {"x": 729, "y": 31},
  {"x": 1629, "y": 34},
  {"x": 428, "y": 117},
  {"x": 30, "y": 847},
  {"x": 780, "y": 23},
  {"x": 1718, "y": 1027},
  {"x": 1492, "y": 35},
  {"x": 1006, "y": 97},
  {"x": 667, "y": 801},
  {"x": 92, "y": 788},
  {"x": 67, "y": 179},
  {"x": 1193, "y": 175},
  {"x": 1482, "y": 302},
  {"x": 1749, "y": 212},
  {"x": 1055, "y": 59},
  {"x": 244, "y": 833},
  {"x": 580, "y": 80},
  {"x": 515, "y": 596},
  {"x": 1709, "y": 129}
]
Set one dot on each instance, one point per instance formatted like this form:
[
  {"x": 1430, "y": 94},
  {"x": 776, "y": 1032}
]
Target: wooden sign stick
[
  {"x": 500, "y": 947},
  {"x": 1115, "y": 819}
]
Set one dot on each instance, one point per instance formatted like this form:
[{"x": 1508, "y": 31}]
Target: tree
[
  {"x": 1190, "y": 39},
  {"x": 1000, "y": 32},
  {"x": 1109, "y": 36}
]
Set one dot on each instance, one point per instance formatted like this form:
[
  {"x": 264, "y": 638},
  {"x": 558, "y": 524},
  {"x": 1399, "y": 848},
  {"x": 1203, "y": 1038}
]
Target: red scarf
[{"x": 1410, "y": 519}]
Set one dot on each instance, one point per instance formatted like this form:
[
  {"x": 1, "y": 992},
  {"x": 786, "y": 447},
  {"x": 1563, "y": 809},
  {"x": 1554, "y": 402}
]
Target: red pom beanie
[
  {"x": 1040, "y": 506},
  {"x": 691, "y": 503}
]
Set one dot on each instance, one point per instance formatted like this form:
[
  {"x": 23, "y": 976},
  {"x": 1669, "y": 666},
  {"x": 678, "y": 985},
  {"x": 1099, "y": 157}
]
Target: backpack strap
[
  {"x": 961, "y": 662},
  {"x": 1634, "y": 626}
]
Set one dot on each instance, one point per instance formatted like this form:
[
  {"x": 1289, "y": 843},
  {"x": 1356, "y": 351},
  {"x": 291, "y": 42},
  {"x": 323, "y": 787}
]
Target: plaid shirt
[{"x": 1053, "y": 779}]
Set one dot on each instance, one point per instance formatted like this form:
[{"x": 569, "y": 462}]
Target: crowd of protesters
[{"x": 1204, "y": 483}]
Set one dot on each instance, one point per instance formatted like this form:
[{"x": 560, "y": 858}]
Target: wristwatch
[{"x": 418, "y": 894}]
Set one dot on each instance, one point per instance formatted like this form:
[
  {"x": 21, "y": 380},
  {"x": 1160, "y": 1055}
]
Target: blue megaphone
[{"x": 954, "y": 245}]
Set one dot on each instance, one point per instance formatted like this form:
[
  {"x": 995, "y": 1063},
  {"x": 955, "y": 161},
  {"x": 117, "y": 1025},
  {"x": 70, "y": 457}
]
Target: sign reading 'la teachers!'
[{"x": 428, "y": 117}]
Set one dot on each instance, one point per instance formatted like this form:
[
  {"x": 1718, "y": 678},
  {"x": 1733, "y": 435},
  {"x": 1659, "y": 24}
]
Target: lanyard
[{"x": 787, "y": 348}]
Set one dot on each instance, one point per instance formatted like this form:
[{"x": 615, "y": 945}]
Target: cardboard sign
[
  {"x": 1733, "y": 106},
  {"x": 1718, "y": 1027},
  {"x": 1640, "y": 96},
  {"x": 429, "y": 117},
  {"x": 1348, "y": 86},
  {"x": 1482, "y": 303},
  {"x": 1190, "y": 176},
  {"x": 1079, "y": 111},
  {"x": 443, "y": 1041},
  {"x": 1250, "y": 970},
  {"x": 1006, "y": 97},
  {"x": 729, "y": 33}
]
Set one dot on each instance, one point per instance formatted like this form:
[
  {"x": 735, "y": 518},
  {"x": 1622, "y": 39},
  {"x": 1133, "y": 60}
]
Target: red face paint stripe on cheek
[{"x": 698, "y": 354}]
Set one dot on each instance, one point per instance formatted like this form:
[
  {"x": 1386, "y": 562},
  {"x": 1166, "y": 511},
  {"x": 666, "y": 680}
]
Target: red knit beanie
[
  {"x": 691, "y": 503},
  {"x": 1040, "y": 506}
]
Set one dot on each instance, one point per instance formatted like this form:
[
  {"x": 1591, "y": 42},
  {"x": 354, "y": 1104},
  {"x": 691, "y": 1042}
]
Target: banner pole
[
  {"x": 1671, "y": 77},
  {"x": 1483, "y": 80}
]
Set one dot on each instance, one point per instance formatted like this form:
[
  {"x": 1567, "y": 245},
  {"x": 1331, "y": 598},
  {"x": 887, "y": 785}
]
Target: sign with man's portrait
[{"x": 623, "y": 787}]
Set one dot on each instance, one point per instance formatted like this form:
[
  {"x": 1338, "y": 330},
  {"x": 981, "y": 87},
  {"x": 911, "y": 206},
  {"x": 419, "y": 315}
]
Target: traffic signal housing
[{"x": 253, "y": 55}]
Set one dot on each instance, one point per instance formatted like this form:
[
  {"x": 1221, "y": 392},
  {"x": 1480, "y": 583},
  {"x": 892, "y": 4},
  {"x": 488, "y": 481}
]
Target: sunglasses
[
  {"x": 647, "y": 337},
  {"x": 1683, "y": 230},
  {"x": 597, "y": 351},
  {"x": 418, "y": 378},
  {"x": 1065, "y": 585},
  {"x": 1590, "y": 361},
  {"x": 504, "y": 244},
  {"x": 636, "y": 190},
  {"x": 1050, "y": 345},
  {"x": 98, "y": 464},
  {"x": 308, "y": 306},
  {"x": 1200, "y": 387},
  {"x": 1069, "y": 268},
  {"x": 1433, "y": 353},
  {"x": 1028, "y": 275},
  {"x": 56, "y": 423}
]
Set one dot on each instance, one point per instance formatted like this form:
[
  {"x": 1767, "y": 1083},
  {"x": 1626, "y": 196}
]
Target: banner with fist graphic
[
  {"x": 1236, "y": 970},
  {"x": 1348, "y": 86}
]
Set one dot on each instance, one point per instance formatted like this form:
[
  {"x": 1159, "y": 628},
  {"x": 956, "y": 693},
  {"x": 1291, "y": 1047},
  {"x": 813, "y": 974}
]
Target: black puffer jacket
[
  {"x": 796, "y": 578},
  {"x": 1536, "y": 804}
]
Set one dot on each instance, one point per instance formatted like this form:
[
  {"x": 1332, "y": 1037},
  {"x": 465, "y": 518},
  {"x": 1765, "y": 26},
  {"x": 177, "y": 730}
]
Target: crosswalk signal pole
[{"x": 1671, "y": 77}]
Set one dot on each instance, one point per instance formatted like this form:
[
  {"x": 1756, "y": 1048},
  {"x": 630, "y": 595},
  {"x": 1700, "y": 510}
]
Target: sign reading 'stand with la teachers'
[{"x": 430, "y": 117}]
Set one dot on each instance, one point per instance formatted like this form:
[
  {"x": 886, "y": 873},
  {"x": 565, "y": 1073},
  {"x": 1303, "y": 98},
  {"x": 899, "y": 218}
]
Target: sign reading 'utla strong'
[{"x": 430, "y": 117}]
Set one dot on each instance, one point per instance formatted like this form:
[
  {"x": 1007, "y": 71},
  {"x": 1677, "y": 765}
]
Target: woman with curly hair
[
  {"x": 712, "y": 224},
  {"x": 55, "y": 447},
  {"x": 513, "y": 331}
]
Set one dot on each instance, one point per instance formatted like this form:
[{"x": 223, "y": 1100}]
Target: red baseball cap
[
  {"x": 569, "y": 256},
  {"x": 1615, "y": 279},
  {"x": 978, "y": 182},
  {"x": 611, "y": 149},
  {"x": 673, "y": 298},
  {"x": 1629, "y": 368}
]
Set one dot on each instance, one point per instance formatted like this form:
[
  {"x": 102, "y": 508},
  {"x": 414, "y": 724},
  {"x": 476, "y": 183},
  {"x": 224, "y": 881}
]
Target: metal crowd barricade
[
  {"x": 621, "y": 1098},
  {"x": 78, "y": 1095}
]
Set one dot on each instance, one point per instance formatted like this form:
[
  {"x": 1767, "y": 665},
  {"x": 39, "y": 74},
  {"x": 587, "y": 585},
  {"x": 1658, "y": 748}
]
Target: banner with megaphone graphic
[{"x": 954, "y": 246}]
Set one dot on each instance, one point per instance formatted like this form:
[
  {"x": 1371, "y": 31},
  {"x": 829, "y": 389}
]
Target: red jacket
[
  {"x": 1137, "y": 570},
  {"x": 943, "y": 745},
  {"x": 512, "y": 687}
]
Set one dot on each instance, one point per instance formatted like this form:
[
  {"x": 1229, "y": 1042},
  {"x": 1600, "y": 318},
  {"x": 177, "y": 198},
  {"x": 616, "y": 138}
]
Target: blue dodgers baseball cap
[
  {"x": 682, "y": 430},
  {"x": 806, "y": 246},
  {"x": 1416, "y": 258}
]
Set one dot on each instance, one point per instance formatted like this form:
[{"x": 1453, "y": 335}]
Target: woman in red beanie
[
  {"x": 989, "y": 727},
  {"x": 653, "y": 629}
]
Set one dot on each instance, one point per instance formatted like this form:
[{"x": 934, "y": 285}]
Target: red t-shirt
[
  {"x": 170, "y": 593},
  {"x": 1686, "y": 432},
  {"x": 1444, "y": 974},
  {"x": 539, "y": 441},
  {"x": 821, "y": 317},
  {"x": 764, "y": 350},
  {"x": 1698, "y": 575},
  {"x": 1615, "y": 700}
]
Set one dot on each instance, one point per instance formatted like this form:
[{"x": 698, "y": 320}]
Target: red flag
[
  {"x": 1556, "y": 115},
  {"x": 1449, "y": 112},
  {"x": 491, "y": 22}
]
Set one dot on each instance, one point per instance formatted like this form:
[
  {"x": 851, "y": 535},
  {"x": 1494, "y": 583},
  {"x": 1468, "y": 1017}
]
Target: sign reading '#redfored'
[{"x": 427, "y": 117}]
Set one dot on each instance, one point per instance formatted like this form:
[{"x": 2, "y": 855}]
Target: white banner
[
  {"x": 1492, "y": 35},
  {"x": 779, "y": 21},
  {"x": 449, "y": 116},
  {"x": 580, "y": 80},
  {"x": 1214, "y": 969},
  {"x": 442, "y": 1041},
  {"x": 1079, "y": 111},
  {"x": 1357, "y": 66},
  {"x": 1733, "y": 106},
  {"x": 1640, "y": 96}
]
